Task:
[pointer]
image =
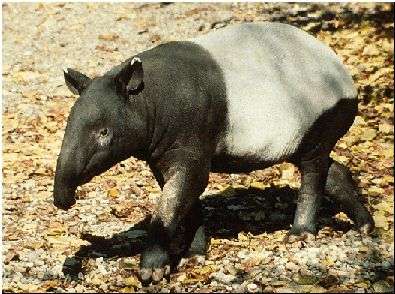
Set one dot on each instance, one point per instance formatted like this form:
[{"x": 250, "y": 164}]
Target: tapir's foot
[
  {"x": 366, "y": 227},
  {"x": 364, "y": 223},
  {"x": 199, "y": 243},
  {"x": 154, "y": 265},
  {"x": 300, "y": 233}
]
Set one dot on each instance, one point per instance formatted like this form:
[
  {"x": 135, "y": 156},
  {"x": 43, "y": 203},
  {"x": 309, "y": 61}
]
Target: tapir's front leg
[{"x": 185, "y": 176}]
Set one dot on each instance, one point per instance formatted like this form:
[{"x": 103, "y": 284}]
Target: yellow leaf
[
  {"x": 215, "y": 241},
  {"x": 29, "y": 94},
  {"x": 359, "y": 121},
  {"x": 371, "y": 50},
  {"x": 328, "y": 261},
  {"x": 380, "y": 220},
  {"x": 207, "y": 270},
  {"x": 127, "y": 290},
  {"x": 375, "y": 191},
  {"x": 385, "y": 207},
  {"x": 342, "y": 145},
  {"x": 108, "y": 37},
  {"x": 339, "y": 158},
  {"x": 238, "y": 186},
  {"x": 388, "y": 153},
  {"x": 132, "y": 281},
  {"x": 368, "y": 134},
  {"x": 242, "y": 237},
  {"x": 113, "y": 192},
  {"x": 378, "y": 181},
  {"x": 389, "y": 106},
  {"x": 56, "y": 229},
  {"x": 258, "y": 185},
  {"x": 386, "y": 128},
  {"x": 388, "y": 179},
  {"x": 362, "y": 285},
  {"x": 287, "y": 171}
]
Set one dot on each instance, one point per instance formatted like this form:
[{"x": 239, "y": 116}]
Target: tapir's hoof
[
  {"x": 154, "y": 265},
  {"x": 365, "y": 224},
  {"x": 297, "y": 233},
  {"x": 155, "y": 275},
  {"x": 366, "y": 229}
]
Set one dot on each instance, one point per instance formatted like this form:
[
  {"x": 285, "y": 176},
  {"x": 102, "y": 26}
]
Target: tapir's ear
[
  {"x": 75, "y": 80},
  {"x": 130, "y": 78}
]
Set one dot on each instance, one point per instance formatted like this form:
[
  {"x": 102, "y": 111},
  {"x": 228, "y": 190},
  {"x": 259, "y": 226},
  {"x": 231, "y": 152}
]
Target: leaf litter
[{"x": 95, "y": 245}]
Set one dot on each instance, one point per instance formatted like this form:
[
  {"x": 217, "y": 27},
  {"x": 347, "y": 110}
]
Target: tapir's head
[{"x": 102, "y": 128}]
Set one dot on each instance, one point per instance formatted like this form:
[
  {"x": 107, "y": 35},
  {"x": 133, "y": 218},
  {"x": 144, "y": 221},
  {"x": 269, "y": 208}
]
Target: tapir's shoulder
[{"x": 174, "y": 57}]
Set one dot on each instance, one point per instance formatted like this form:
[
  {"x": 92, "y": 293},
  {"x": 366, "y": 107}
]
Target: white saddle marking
[{"x": 279, "y": 80}]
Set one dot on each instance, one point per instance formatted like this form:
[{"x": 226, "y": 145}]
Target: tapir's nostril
[{"x": 64, "y": 196}]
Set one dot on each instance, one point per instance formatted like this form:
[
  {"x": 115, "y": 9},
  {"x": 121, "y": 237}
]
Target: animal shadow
[
  {"x": 257, "y": 211},
  {"x": 225, "y": 215}
]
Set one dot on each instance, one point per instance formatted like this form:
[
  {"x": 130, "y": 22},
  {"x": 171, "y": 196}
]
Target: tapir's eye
[
  {"x": 104, "y": 136},
  {"x": 104, "y": 132}
]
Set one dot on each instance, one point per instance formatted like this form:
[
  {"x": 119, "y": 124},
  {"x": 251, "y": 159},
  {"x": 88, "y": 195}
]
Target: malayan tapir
[{"x": 235, "y": 100}]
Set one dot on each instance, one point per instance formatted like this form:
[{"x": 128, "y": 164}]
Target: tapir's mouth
[
  {"x": 85, "y": 177},
  {"x": 64, "y": 197},
  {"x": 65, "y": 205}
]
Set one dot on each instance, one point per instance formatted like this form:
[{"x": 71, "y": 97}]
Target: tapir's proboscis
[{"x": 235, "y": 100}]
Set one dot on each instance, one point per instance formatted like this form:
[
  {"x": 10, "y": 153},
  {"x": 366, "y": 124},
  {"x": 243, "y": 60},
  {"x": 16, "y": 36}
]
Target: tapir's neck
[
  {"x": 152, "y": 130},
  {"x": 137, "y": 121}
]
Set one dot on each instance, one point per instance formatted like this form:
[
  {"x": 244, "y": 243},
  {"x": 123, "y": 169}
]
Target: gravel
[{"x": 43, "y": 248}]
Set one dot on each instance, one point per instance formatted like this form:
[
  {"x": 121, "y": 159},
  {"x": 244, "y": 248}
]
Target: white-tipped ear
[
  {"x": 135, "y": 59},
  {"x": 130, "y": 78},
  {"x": 75, "y": 80}
]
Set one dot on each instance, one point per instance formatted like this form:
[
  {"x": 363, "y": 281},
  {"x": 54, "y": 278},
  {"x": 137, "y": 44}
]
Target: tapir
[{"x": 234, "y": 100}]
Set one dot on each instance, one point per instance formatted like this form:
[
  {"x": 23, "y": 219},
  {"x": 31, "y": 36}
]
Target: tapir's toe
[
  {"x": 159, "y": 273},
  {"x": 154, "y": 265},
  {"x": 145, "y": 274},
  {"x": 366, "y": 229}
]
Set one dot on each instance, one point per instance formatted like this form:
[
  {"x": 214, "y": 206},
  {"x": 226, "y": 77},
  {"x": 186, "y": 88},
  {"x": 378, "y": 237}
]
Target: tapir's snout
[
  {"x": 63, "y": 203},
  {"x": 64, "y": 197},
  {"x": 68, "y": 169}
]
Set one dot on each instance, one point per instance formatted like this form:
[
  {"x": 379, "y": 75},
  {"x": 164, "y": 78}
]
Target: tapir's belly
[{"x": 279, "y": 81}]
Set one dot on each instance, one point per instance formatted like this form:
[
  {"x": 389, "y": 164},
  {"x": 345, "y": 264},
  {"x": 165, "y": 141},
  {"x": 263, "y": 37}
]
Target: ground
[{"x": 94, "y": 246}]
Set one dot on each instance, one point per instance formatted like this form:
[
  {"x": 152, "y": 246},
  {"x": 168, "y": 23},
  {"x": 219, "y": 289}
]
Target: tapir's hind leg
[
  {"x": 314, "y": 171},
  {"x": 342, "y": 189},
  {"x": 314, "y": 163}
]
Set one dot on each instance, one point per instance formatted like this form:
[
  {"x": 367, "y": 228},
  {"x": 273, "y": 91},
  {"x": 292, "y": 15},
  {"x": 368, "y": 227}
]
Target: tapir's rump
[{"x": 279, "y": 80}]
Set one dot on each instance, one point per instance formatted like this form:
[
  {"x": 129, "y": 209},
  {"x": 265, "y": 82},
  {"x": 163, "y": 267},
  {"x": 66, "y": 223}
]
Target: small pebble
[{"x": 252, "y": 288}]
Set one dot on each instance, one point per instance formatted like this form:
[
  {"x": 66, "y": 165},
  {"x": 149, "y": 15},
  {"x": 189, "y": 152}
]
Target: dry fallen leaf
[
  {"x": 386, "y": 128},
  {"x": 381, "y": 221},
  {"x": 108, "y": 37},
  {"x": 368, "y": 134},
  {"x": 375, "y": 191},
  {"x": 113, "y": 192}
]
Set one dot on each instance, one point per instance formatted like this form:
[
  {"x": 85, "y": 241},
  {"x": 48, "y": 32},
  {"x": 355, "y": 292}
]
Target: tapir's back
[{"x": 279, "y": 80}]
